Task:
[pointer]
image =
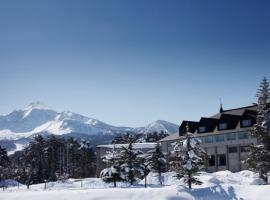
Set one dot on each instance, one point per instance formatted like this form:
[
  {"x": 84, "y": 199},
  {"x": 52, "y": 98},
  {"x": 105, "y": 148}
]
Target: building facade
[{"x": 225, "y": 137}]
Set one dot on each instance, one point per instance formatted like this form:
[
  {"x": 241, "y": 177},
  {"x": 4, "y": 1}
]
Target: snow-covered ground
[{"x": 244, "y": 185}]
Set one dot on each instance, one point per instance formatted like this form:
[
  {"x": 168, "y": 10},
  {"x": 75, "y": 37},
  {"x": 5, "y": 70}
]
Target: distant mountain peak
[
  {"x": 34, "y": 106},
  {"x": 37, "y": 105},
  {"x": 158, "y": 126}
]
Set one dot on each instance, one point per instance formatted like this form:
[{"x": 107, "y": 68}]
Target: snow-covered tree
[
  {"x": 156, "y": 161},
  {"x": 131, "y": 167},
  {"x": 259, "y": 158},
  {"x": 189, "y": 158},
  {"x": 124, "y": 164},
  {"x": 144, "y": 165},
  {"x": 113, "y": 171}
]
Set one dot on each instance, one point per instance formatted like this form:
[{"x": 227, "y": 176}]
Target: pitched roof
[
  {"x": 232, "y": 116},
  {"x": 236, "y": 111}
]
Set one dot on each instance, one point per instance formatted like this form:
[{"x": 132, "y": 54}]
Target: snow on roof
[
  {"x": 174, "y": 136},
  {"x": 149, "y": 145}
]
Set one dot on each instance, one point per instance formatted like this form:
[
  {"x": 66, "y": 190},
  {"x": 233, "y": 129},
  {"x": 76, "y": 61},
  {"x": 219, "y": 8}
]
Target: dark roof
[
  {"x": 191, "y": 125},
  {"x": 209, "y": 123},
  {"x": 230, "y": 120},
  {"x": 237, "y": 111},
  {"x": 232, "y": 117}
]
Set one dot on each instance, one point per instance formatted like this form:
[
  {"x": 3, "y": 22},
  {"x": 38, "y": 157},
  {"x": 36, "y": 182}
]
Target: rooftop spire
[{"x": 221, "y": 108}]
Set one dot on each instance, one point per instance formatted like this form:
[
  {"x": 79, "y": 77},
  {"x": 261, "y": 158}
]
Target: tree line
[
  {"x": 55, "y": 158},
  {"x": 49, "y": 159}
]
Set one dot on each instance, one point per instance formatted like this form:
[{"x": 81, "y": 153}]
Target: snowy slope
[
  {"x": 224, "y": 185},
  {"x": 39, "y": 118}
]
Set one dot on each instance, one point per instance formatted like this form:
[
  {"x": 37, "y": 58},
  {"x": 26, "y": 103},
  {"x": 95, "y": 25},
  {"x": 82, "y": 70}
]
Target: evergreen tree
[
  {"x": 259, "y": 157},
  {"x": 123, "y": 164},
  {"x": 189, "y": 158},
  {"x": 125, "y": 138},
  {"x": 144, "y": 165},
  {"x": 87, "y": 159},
  {"x": 4, "y": 167},
  {"x": 130, "y": 159},
  {"x": 132, "y": 168},
  {"x": 156, "y": 161},
  {"x": 33, "y": 161},
  {"x": 113, "y": 171}
]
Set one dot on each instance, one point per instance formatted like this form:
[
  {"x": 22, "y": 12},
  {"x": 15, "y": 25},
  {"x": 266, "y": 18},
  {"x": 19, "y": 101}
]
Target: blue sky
[{"x": 133, "y": 62}]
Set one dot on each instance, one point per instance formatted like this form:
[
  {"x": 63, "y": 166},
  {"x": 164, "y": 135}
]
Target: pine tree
[
  {"x": 189, "y": 158},
  {"x": 132, "y": 168},
  {"x": 259, "y": 157},
  {"x": 113, "y": 171},
  {"x": 156, "y": 161},
  {"x": 87, "y": 159},
  {"x": 144, "y": 165},
  {"x": 130, "y": 159},
  {"x": 4, "y": 167}
]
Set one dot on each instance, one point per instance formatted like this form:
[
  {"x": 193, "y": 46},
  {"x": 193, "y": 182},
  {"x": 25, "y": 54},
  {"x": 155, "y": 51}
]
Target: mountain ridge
[{"x": 38, "y": 118}]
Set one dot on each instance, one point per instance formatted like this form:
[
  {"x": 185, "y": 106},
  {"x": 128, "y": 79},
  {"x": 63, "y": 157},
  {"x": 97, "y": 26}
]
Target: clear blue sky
[{"x": 132, "y": 62}]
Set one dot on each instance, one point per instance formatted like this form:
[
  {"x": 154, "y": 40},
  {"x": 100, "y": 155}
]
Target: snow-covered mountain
[
  {"x": 158, "y": 126},
  {"x": 38, "y": 118}
]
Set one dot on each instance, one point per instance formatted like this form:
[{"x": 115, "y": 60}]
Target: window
[
  {"x": 219, "y": 138},
  {"x": 231, "y": 136},
  {"x": 232, "y": 149},
  {"x": 211, "y": 160},
  {"x": 222, "y": 126},
  {"x": 202, "y": 129},
  {"x": 221, "y": 160},
  {"x": 246, "y": 122},
  {"x": 209, "y": 139},
  {"x": 244, "y": 148},
  {"x": 243, "y": 135}
]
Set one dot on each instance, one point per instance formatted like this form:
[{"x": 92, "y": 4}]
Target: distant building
[
  {"x": 225, "y": 137},
  {"x": 102, "y": 150}
]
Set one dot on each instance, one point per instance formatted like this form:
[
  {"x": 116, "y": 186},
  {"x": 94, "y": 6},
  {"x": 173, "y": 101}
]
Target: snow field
[{"x": 224, "y": 185}]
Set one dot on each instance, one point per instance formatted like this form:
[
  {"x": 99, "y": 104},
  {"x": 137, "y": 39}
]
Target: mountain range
[{"x": 19, "y": 126}]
